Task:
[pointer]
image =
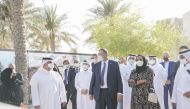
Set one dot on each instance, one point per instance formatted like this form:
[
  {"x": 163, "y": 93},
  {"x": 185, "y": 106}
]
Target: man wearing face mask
[
  {"x": 160, "y": 77},
  {"x": 47, "y": 88},
  {"x": 106, "y": 84},
  {"x": 170, "y": 70},
  {"x": 67, "y": 68},
  {"x": 76, "y": 65},
  {"x": 178, "y": 64},
  {"x": 122, "y": 67},
  {"x": 181, "y": 90},
  {"x": 82, "y": 84},
  {"x": 94, "y": 60},
  {"x": 126, "y": 89},
  {"x": 70, "y": 81}
]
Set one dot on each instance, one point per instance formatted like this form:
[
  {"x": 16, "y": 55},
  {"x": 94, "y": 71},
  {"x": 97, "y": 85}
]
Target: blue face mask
[
  {"x": 131, "y": 61},
  {"x": 100, "y": 58}
]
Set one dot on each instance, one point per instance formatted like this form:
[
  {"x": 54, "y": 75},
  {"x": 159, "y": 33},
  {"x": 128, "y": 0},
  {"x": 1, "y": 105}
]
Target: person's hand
[
  {"x": 131, "y": 81},
  {"x": 84, "y": 91},
  {"x": 37, "y": 107},
  {"x": 141, "y": 82},
  {"x": 173, "y": 105},
  {"x": 23, "y": 105},
  {"x": 119, "y": 97},
  {"x": 63, "y": 104},
  {"x": 168, "y": 82},
  {"x": 187, "y": 94},
  {"x": 91, "y": 97}
]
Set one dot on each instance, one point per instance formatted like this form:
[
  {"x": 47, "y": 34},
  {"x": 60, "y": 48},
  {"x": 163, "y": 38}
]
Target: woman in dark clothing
[
  {"x": 12, "y": 92},
  {"x": 141, "y": 80}
]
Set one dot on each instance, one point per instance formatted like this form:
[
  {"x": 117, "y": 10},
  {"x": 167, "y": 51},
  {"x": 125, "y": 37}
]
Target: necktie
[
  {"x": 102, "y": 74},
  {"x": 66, "y": 76}
]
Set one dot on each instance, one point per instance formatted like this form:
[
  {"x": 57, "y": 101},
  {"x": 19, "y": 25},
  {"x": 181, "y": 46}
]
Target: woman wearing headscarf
[
  {"x": 160, "y": 77},
  {"x": 141, "y": 80}
]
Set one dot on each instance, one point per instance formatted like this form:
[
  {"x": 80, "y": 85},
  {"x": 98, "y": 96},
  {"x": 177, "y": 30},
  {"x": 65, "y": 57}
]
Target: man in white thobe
[
  {"x": 181, "y": 93},
  {"x": 126, "y": 72},
  {"x": 47, "y": 88},
  {"x": 82, "y": 84},
  {"x": 160, "y": 76}
]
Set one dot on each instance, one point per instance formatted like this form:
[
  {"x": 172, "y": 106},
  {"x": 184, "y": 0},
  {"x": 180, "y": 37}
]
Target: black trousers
[
  {"x": 106, "y": 101},
  {"x": 73, "y": 100}
]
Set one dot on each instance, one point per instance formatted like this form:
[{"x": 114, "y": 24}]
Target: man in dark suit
[
  {"x": 170, "y": 69},
  {"x": 69, "y": 81},
  {"x": 94, "y": 60},
  {"x": 106, "y": 84}
]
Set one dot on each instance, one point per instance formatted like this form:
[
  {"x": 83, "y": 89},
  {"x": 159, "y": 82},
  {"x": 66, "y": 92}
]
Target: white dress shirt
[
  {"x": 166, "y": 66},
  {"x": 105, "y": 74}
]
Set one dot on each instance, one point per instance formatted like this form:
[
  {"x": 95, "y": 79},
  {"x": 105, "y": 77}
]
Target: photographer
[{"x": 12, "y": 82}]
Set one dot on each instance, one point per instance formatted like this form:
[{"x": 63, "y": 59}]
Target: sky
[{"x": 77, "y": 11}]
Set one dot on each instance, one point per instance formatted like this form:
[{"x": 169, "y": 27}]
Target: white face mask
[
  {"x": 85, "y": 67},
  {"x": 139, "y": 63},
  {"x": 152, "y": 62},
  {"x": 131, "y": 61},
  {"x": 92, "y": 60},
  {"x": 66, "y": 66},
  {"x": 183, "y": 61},
  {"x": 51, "y": 66},
  {"x": 100, "y": 58},
  {"x": 76, "y": 65}
]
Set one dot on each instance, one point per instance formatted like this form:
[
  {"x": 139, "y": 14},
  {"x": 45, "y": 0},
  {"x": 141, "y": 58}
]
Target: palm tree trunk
[
  {"x": 19, "y": 39},
  {"x": 52, "y": 42}
]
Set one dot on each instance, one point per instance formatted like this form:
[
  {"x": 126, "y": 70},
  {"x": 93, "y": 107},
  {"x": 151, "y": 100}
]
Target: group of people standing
[
  {"x": 133, "y": 83},
  {"x": 168, "y": 81}
]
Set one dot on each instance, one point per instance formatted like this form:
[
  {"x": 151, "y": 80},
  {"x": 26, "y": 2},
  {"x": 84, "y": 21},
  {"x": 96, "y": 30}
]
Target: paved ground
[{"x": 69, "y": 106}]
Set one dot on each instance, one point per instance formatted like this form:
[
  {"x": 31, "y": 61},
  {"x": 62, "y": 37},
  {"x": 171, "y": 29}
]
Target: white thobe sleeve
[
  {"x": 174, "y": 93},
  {"x": 35, "y": 91},
  {"x": 62, "y": 91},
  {"x": 77, "y": 86}
]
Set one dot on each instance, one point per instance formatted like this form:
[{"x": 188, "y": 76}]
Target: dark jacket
[
  {"x": 71, "y": 81},
  {"x": 11, "y": 89},
  {"x": 171, "y": 70},
  {"x": 114, "y": 81}
]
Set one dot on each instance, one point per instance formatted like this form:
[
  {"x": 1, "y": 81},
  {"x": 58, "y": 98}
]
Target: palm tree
[
  {"x": 49, "y": 35},
  {"x": 19, "y": 39},
  {"x": 30, "y": 12},
  {"x": 106, "y": 8}
]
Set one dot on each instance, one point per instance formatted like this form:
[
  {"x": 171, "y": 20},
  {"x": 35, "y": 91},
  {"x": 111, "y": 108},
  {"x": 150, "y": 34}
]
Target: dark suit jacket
[
  {"x": 171, "y": 70},
  {"x": 114, "y": 81},
  {"x": 71, "y": 82}
]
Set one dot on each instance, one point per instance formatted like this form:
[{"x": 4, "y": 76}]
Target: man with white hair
[
  {"x": 82, "y": 84},
  {"x": 181, "y": 91},
  {"x": 160, "y": 77},
  {"x": 48, "y": 91}
]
